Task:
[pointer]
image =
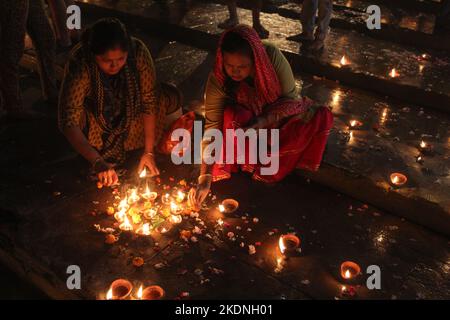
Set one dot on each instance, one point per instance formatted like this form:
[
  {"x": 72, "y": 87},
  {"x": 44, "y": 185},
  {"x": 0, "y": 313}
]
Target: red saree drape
[{"x": 301, "y": 142}]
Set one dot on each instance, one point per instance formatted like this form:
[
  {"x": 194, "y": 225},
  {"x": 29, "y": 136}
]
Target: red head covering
[{"x": 267, "y": 86}]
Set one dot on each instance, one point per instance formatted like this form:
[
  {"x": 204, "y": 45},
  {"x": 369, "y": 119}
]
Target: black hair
[
  {"x": 234, "y": 43},
  {"x": 106, "y": 34}
]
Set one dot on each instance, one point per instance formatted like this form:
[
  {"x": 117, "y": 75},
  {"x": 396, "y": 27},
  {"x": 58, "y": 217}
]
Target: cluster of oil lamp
[
  {"x": 122, "y": 289},
  {"x": 140, "y": 212},
  {"x": 344, "y": 62}
]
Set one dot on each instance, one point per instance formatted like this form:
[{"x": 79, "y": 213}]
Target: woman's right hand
[
  {"x": 106, "y": 174},
  {"x": 198, "y": 194}
]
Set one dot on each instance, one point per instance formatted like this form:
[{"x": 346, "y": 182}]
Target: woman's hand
[
  {"x": 106, "y": 174},
  {"x": 198, "y": 194},
  {"x": 148, "y": 161}
]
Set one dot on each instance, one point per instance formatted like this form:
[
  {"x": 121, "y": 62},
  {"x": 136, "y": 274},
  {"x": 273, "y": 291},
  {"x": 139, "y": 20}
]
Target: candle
[
  {"x": 394, "y": 73},
  {"x": 398, "y": 179},
  {"x": 288, "y": 243},
  {"x": 153, "y": 293},
  {"x": 120, "y": 290},
  {"x": 349, "y": 270},
  {"x": 229, "y": 206}
]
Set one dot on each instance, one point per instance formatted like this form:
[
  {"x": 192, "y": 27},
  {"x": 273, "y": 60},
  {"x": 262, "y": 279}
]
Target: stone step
[{"x": 422, "y": 81}]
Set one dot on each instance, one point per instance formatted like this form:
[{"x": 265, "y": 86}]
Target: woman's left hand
[{"x": 148, "y": 161}]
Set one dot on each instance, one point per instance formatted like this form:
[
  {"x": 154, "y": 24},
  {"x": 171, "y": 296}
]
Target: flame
[
  {"x": 347, "y": 274},
  {"x": 143, "y": 173},
  {"x": 343, "y": 61},
  {"x": 343, "y": 289},
  {"x": 220, "y": 222},
  {"x": 152, "y": 212},
  {"x": 180, "y": 196},
  {"x": 423, "y": 144},
  {"x": 353, "y": 123},
  {"x": 126, "y": 226},
  {"x": 281, "y": 245},
  {"x": 163, "y": 230},
  {"x": 175, "y": 218},
  {"x": 419, "y": 158},
  {"x": 395, "y": 179},
  {"x": 109, "y": 294},
  {"x": 120, "y": 215},
  {"x": 393, "y": 73},
  {"x": 221, "y": 208},
  {"x": 133, "y": 197},
  {"x": 139, "y": 294},
  {"x": 123, "y": 205},
  {"x": 145, "y": 229}
]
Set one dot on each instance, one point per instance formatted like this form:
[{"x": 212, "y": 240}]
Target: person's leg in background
[
  {"x": 323, "y": 23},
  {"x": 308, "y": 19},
  {"x": 256, "y": 12},
  {"x": 58, "y": 14},
  {"x": 41, "y": 33},
  {"x": 13, "y": 16},
  {"x": 233, "y": 19}
]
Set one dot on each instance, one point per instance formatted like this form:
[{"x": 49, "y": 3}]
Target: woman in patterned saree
[
  {"x": 252, "y": 86},
  {"x": 109, "y": 101}
]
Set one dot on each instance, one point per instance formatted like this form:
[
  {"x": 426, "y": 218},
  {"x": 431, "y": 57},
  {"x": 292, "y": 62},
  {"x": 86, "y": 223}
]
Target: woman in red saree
[{"x": 252, "y": 86}]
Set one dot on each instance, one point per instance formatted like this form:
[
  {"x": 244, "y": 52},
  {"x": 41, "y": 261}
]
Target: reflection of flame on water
[
  {"x": 383, "y": 116},
  {"x": 109, "y": 294}
]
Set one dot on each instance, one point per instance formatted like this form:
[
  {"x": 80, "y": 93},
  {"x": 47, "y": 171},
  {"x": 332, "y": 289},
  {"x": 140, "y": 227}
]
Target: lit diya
[
  {"x": 425, "y": 147},
  {"x": 344, "y": 61},
  {"x": 144, "y": 229},
  {"x": 349, "y": 270},
  {"x": 180, "y": 196},
  {"x": 355, "y": 124},
  {"x": 175, "y": 208},
  {"x": 150, "y": 213},
  {"x": 153, "y": 293},
  {"x": 398, "y": 179},
  {"x": 120, "y": 290},
  {"x": 149, "y": 195},
  {"x": 126, "y": 225},
  {"x": 394, "y": 73},
  {"x": 175, "y": 219},
  {"x": 288, "y": 243},
  {"x": 228, "y": 206}
]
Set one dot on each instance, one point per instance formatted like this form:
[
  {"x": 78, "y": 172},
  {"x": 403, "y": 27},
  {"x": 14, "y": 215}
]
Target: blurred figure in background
[
  {"x": 58, "y": 10},
  {"x": 442, "y": 25},
  {"x": 17, "y": 17},
  {"x": 308, "y": 20},
  {"x": 233, "y": 20}
]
